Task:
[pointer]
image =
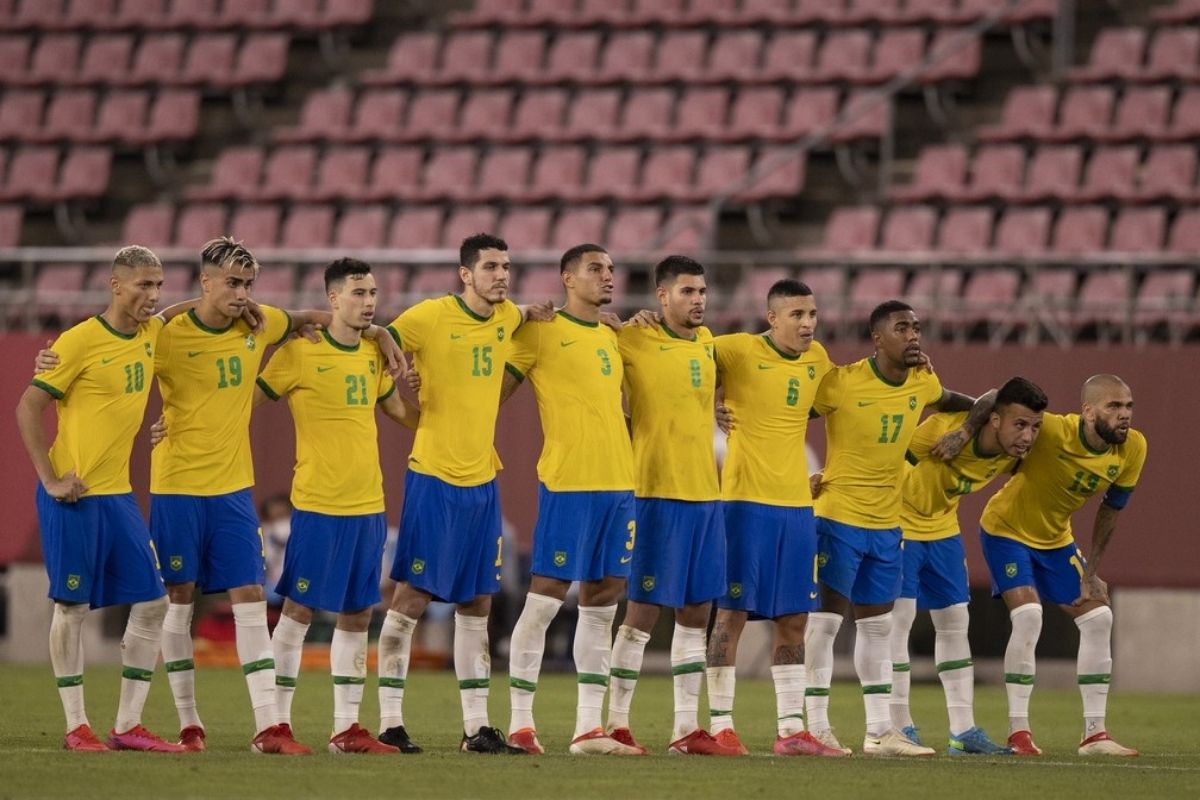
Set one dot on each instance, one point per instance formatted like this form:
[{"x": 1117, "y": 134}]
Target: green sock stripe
[
  {"x": 593, "y": 678},
  {"x": 1085, "y": 680},
  {"x": 522, "y": 684},
  {"x": 877, "y": 688},
  {"x": 182, "y": 665},
  {"x": 1016, "y": 677},
  {"x": 687, "y": 669},
  {"x": 475, "y": 683},
  {"x": 348, "y": 680},
  {"x": 284, "y": 680},
  {"x": 135, "y": 674},
  {"x": 792, "y": 716},
  {"x": 817, "y": 691},
  {"x": 720, "y": 712},
  {"x": 69, "y": 680},
  {"x": 257, "y": 666},
  {"x": 962, "y": 663},
  {"x": 902, "y": 667},
  {"x": 624, "y": 674},
  {"x": 388, "y": 683}
]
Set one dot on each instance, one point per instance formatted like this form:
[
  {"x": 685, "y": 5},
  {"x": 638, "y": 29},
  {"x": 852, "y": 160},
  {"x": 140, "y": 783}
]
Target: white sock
[
  {"x": 139, "y": 653},
  {"x": 722, "y": 681},
  {"x": 593, "y": 657},
  {"x": 628, "y": 649},
  {"x": 873, "y": 663},
  {"x": 526, "y": 648},
  {"x": 955, "y": 668},
  {"x": 903, "y": 614},
  {"x": 473, "y": 666},
  {"x": 1094, "y": 666},
  {"x": 257, "y": 660},
  {"x": 348, "y": 665},
  {"x": 66, "y": 657},
  {"x": 395, "y": 646},
  {"x": 177, "y": 653},
  {"x": 1019, "y": 668},
  {"x": 287, "y": 645},
  {"x": 819, "y": 633},
  {"x": 790, "y": 680},
  {"x": 687, "y": 675}
]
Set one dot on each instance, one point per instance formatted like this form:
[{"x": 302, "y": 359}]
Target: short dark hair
[
  {"x": 225, "y": 252},
  {"x": 337, "y": 271},
  {"x": 1022, "y": 392},
  {"x": 575, "y": 253},
  {"x": 788, "y": 287},
  {"x": 473, "y": 245},
  {"x": 885, "y": 310},
  {"x": 672, "y": 267}
]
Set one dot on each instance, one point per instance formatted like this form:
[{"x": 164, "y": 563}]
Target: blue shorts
[
  {"x": 935, "y": 573},
  {"x": 1056, "y": 573},
  {"x": 679, "y": 555},
  {"x": 214, "y": 541},
  {"x": 583, "y": 536},
  {"x": 771, "y": 567},
  {"x": 97, "y": 550},
  {"x": 862, "y": 564},
  {"x": 333, "y": 563},
  {"x": 450, "y": 538}
]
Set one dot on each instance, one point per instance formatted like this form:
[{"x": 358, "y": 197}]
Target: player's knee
[
  {"x": 72, "y": 612},
  {"x": 953, "y": 619},
  {"x": 1098, "y": 622},
  {"x": 146, "y": 618},
  {"x": 1026, "y": 623},
  {"x": 789, "y": 630}
]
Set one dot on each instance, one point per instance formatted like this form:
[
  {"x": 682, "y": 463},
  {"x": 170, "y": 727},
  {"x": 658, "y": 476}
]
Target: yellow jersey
[
  {"x": 460, "y": 357},
  {"x": 932, "y": 487},
  {"x": 206, "y": 377},
  {"x": 332, "y": 390},
  {"x": 770, "y": 395},
  {"x": 1060, "y": 474},
  {"x": 576, "y": 371},
  {"x": 671, "y": 384},
  {"x": 869, "y": 423},
  {"x": 101, "y": 383}
]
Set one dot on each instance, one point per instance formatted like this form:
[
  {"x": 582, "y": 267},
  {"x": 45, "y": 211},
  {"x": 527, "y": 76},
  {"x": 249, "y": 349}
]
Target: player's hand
[
  {"x": 645, "y": 319},
  {"x": 310, "y": 331},
  {"x": 254, "y": 317},
  {"x": 540, "y": 312},
  {"x": 611, "y": 320},
  {"x": 815, "y": 484},
  {"x": 46, "y": 359},
  {"x": 66, "y": 489},
  {"x": 951, "y": 444},
  {"x": 394, "y": 361},
  {"x": 725, "y": 419},
  {"x": 158, "y": 431},
  {"x": 413, "y": 379},
  {"x": 926, "y": 363},
  {"x": 1092, "y": 588}
]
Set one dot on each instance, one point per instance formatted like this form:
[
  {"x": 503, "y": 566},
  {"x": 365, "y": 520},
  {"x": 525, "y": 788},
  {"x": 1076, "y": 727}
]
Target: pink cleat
[
  {"x": 701, "y": 743},
  {"x": 138, "y": 738},
  {"x": 82, "y": 740},
  {"x": 805, "y": 744}
]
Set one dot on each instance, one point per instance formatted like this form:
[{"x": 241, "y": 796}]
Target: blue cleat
[
  {"x": 975, "y": 742},
  {"x": 910, "y": 733}
]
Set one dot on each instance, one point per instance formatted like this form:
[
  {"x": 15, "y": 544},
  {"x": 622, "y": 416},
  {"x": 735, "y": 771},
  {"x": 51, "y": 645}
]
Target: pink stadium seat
[
  {"x": 927, "y": 11},
  {"x": 159, "y": 58},
  {"x": 897, "y": 51},
  {"x": 149, "y": 15},
  {"x": 909, "y": 229},
  {"x": 996, "y": 172},
  {"x": 526, "y": 227},
  {"x": 324, "y": 115},
  {"x": 1080, "y": 231},
  {"x": 783, "y": 180},
  {"x": 466, "y": 57},
  {"x": 558, "y": 171},
  {"x": 21, "y": 113},
  {"x": 751, "y": 291},
  {"x": 54, "y": 59},
  {"x": 483, "y": 112},
  {"x": 1051, "y": 296},
  {"x": 14, "y": 57},
  {"x": 866, "y": 12},
  {"x": 851, "y": 230},
  {"x": 957, "y": 56},
  {"x": 1185, "y": 123},
  {"x": 612, "y": 174},
  {"x": 178, "y": 285},
  {"x": 257, "y": 225},
  {"x": 1110, "y": 173},
  {"x": 431, "y": 114},
  {"x": 1022, "y": 232},
  {"x": 413, "y": 58},
  {"x": 871, "y": 287},
  {"x": 276, "y": 285},
  {"x": 868, "y": 117},
  {"x": 261, "y": 59},
  {"x": 667, "y": 174},
  {"x": 572, "y": 57},
  {"x": 1179, "y": 11},
  {"x": 1052, "y": 173},
  {"x": 735, "y": 56},
  {"x": 602, "y": 12},
  {"x": 681, "y": 56},
  {"x": 197, "y": 14},
  {"x": 308, "y": 227},
  {"x": 1116, "y": 55},
  {"x": 415, "y": 227},
  {"x": 432, "y": 282},
  {"x": 628, "y": 56},
  {"x": 633, "y": 230},
  {"x": 966, "y": 231},
  {"x": 1142, "y": 114},
  {"x": 647, "y": 114},
  {"x": 35, "y": 14},
  {"x": 312, "y": 288},
  {"x": 519, "y": 57},
  {"x": 1104, "y": 298},
  {"x": 844, "y": 56},
  {"x": 700, "y": 113},
  {"x": 31, "y": 174},
  {"x": 990, "y": 295},
  {"x": 235, "y": 175},
  {"x": 1028, "y": 113},
  {"x": 1185, "y": 233},
  {"x": 687, "y": 229},
  {"x": 790, "y": 56},
  {"x": 717, "y": 170},
  {"x": 1174, "y": 54},
  {"x": 246, "y": 14},
  {"x": 972, "y": 11},
  {"x": 819, "y": 11},
  {"x": 174, "y": 116},
  {"x": 465, "y": 221},
  {"x": 937, "y": 294},
  {"x": 941, "y": 171},
  {"x": 1168, "y": 173},
  {"x": 765, "y": 12},
  {"x": 504, "y": 174},
  {"x": 828, "y": 286},
  {"x": 755, "y": 114},
  {"x": 1086, "y": 113},
  {"x": 1139, "y": 230},
  {"x": 149, "y": 225},
  {"x": 378, "y": 115},
  {"x": 210, "y": 60},
  {"x": 577, "y": 224},
  {"x": 121, "y": 117},
  {"x": 341, "y": 174},
  {"x": 808, "y": 111},
  {"x": 59, "y": 289},
  {"x": 1164, "y": 298},
  {"x": 1031, "y": 11},
  {"x": 199, "y": 223},
  {"x": 10, "y": 226},
  {"x": 288, "y": 173},
  {"x": 549, "y": 13},
  {"x": 540, "y": 284},
  {"x": 487, "y": 13},
  {"x": 668, "y": 13},
  {"x": 539, "y": 114},
  {"x": 593, "y": 114},
  {"x": 106, "y": 60},
  {"x": 361, "y": 226},
  {"x": 449, "y": 174}
]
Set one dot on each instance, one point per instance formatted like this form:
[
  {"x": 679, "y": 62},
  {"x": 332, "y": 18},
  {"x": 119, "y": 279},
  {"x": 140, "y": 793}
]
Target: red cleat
[
  {"x": 279, "y": 740},
  {"x": 526, "y": 739},
  {"x": 805, "y": 744},
  {"x": 191, "y": 739},
  {"x": 625, "y": 737},
  {"x": 355, "y": 739},
  {"x": 729, "y": 738},
  {"x": 82, "y": 740},
  {"x": 1022, "y": 744},
  {"x": 138, "y": 738},
  {"x": 1101, "y": 744},
  {"x": 700, "y": 743}
]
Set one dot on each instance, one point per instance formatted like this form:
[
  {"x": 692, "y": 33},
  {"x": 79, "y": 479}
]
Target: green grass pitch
[{"x": 32, "y": 763}]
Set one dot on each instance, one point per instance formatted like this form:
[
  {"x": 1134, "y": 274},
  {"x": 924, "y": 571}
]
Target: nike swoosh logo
[
  {"x": 812, "y": 595},
  {"x": 324, "y": 369},
  {"x": 497, "y": 576},
  {"x": 194, "y": 353},
  {"x": 567, "y": 344},
  {"x": 665, "y": 347},
  {"x": 861, "y": 404},
  {"x": 106, "y": 360},
  {"x": 764, "y": 366},
  {"x": 626, "y": 559},
  {"x": 456, "y": 336}
]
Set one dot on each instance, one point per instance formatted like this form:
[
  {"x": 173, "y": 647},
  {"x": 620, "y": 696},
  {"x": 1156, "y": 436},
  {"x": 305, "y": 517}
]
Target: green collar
[
  {"x": 771, "y": 343},
  {"x": 675, "y": 335},
  {"x": 467, "y": 310},
  {"x": 878, "y": 374},
  {"x": 113, "y": 330},
  {"x": 1087, "y": 446},
  {"x": 196, "y": 321},
  {"x": 349, "y": 348},
  {"x": 579, "y": 321}
]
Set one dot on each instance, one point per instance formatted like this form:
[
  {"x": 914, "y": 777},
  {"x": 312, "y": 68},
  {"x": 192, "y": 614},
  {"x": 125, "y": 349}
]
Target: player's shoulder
[
  {"x": 817, "y": 352},
  {"x": 734, "y": 342},
  {"x": 1135, "y": 444},
  {"x": 429, "y": 309},
  {"x": 942, "y": 421}
]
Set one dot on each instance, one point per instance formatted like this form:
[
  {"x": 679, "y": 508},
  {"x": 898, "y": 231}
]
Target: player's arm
[
  {"x": 30, "y": 409},
  {"x": 175, "y": 309},
  {"x": 401, "y": 409},
  {"x": 512, "y": 381},
  {"x": 537, "y": 312},
  {"x": 1105, "y": 525},
  {"x": 980, "y": 409}
]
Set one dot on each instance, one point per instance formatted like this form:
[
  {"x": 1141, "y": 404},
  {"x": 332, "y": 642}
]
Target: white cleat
[
  {"x": 598, "y": 743},
  {"x": 1101, "y": 744},
  {"x": 894, "y": 743},
  {"x": 827, "y": 738}
]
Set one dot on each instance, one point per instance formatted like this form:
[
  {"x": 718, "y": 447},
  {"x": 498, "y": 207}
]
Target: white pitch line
[{"x": 1108, "y": 765}]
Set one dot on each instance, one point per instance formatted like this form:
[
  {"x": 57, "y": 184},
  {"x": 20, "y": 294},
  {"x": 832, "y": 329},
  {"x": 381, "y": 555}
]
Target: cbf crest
[
  {"x": 500, "y": 333},
  {"x": 251, "y": 344},
  {"x": 149, "y": 351},
  {"x": 812, "y": 372},
  {"x": 1112, "y": 471},
  {"x": 371, "y": 367},
  {"x": 912, "y": 402}
]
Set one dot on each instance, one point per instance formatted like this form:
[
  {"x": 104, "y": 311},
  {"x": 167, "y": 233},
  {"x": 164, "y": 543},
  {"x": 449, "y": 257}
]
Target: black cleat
[
  {"x": 398, "y": 737},
  {"x": 491, "y": 741}
]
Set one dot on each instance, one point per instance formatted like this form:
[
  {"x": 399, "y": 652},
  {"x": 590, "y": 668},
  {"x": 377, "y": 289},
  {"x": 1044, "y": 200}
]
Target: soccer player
[
  {"x": 871, "y": 408},
  {"x": 679, "y": 558},
  {"x": 935, "y": 566},
  {"x": 332, "y": 561},
  {"x": 586, "y": 527},
  {"x": 450, "y": 544},
  {"x": 1032, "y": 556},
  {"x": 769, "y": 383},
  {"x": 97, "y": 548}
]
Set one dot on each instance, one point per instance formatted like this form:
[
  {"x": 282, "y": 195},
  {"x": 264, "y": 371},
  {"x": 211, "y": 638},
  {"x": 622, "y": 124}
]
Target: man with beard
[{"x": 1032, "y": 556}]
